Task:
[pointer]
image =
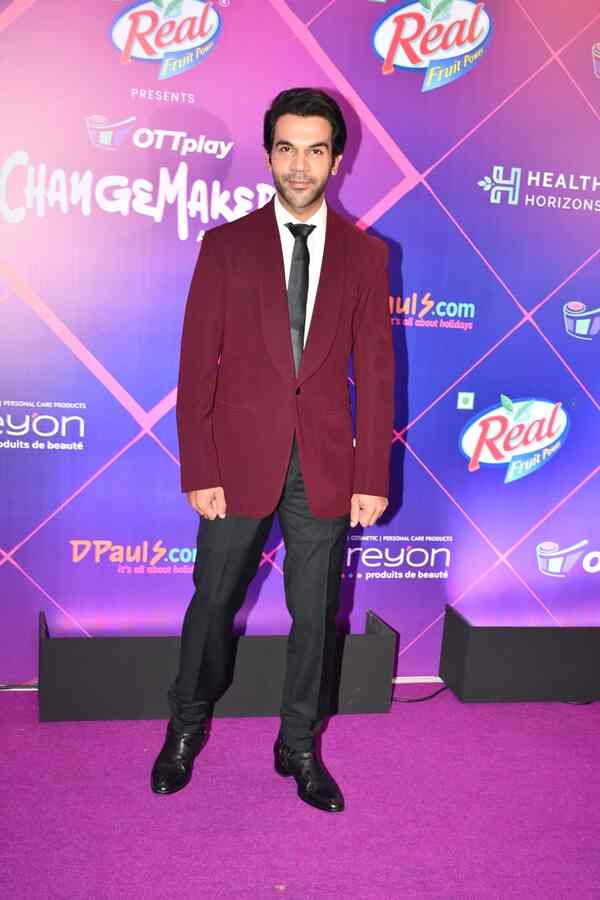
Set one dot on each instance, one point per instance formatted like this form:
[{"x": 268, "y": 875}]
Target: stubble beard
[{"x": 290, "y": 196}]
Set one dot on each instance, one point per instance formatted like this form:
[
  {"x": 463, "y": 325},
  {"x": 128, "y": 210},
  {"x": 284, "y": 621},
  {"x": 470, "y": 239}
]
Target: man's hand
[
  {"x": 209, "y": 502},
  {"x": 366, "y": 509}
]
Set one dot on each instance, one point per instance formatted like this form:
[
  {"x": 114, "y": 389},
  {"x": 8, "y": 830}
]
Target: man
[{"x": 278, "y": 301}]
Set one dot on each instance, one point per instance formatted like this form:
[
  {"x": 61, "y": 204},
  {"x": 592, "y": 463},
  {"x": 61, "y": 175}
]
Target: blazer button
[{"x": 297, "y": 391}]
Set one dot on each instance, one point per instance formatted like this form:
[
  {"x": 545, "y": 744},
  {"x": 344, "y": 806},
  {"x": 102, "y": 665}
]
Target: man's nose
[{"x": 300, "y": 163}]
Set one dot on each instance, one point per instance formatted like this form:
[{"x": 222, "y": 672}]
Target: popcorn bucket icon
[
  {"x": 581, "y": 322},
  {"x": 556, "y": 562},
  {"x": 596, "y": 59},
  {"x": 106, "y": 134}
]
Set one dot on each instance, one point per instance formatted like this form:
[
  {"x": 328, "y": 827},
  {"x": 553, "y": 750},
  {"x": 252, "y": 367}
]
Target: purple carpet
[{"x": 444, "y": 801}]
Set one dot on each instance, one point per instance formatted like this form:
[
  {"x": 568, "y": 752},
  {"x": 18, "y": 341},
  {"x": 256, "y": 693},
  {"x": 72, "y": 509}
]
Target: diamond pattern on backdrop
[
  {"x": 414, "y": 506},
  {"x": 434, "y": 291},
  {"x": 24, "y": 337},
  {"x": 519, "y": 231},
  {"x": 482, "y": 493},
  {"x": 395, "y": 138},
  {"x": 567, "y": 593},
  {"x": 551, "y": 22},
  {"x": 411, "y": 116},
  {"x": 564, "y": 321},
  {"x": 22, "y": 599},
  {"x": 582, "y": 67}
]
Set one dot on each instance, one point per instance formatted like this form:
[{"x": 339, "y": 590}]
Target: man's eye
[{"x": 318, "y": 150}]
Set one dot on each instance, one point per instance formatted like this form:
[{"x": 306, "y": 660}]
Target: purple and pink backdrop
[{"x": 130, "y": 129}]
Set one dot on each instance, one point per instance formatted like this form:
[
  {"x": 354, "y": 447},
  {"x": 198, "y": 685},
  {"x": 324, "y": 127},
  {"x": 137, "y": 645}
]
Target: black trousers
[{"x": 228, "y": 555}]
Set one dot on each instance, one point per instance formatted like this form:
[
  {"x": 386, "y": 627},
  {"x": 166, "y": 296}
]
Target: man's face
[{"x": 302, "y": 161}]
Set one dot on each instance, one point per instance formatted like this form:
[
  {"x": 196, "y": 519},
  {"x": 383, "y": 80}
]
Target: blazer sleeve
[
  {"x": 201, "y": 344},
  {"x": 373, "y": 365}
]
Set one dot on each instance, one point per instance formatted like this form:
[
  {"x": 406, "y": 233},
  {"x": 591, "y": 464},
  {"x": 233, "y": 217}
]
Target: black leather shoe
[
  {"x": 315, "y": 784},
  {"x": 173, "y": 767}
]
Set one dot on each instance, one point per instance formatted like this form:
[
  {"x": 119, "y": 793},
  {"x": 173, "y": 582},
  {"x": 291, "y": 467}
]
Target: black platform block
[
  {"x": 482, "y": 662},
  {"x": 127, "y": 677}
]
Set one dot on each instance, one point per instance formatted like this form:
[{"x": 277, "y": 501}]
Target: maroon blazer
[{"x": 239, "y": 399}]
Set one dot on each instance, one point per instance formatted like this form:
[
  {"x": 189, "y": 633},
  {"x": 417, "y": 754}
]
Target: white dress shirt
[{"x": 316, "y": 245}]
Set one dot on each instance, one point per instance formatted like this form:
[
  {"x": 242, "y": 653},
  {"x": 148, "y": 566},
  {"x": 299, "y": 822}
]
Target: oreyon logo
[
  {"x": 444, "y": 37},
  {"x": 178, "y": 34},
  {"x": 522, "y": 435}
]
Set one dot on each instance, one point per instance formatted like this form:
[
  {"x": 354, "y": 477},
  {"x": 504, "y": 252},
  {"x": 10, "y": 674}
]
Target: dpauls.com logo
[
  {"x": 424, "y": 311},
  {"x": 522, "y": 435},
  {"x": 446, "y": 38},
  {"x": 176, "y": 34},
  {"x": 146, "y": 557}
]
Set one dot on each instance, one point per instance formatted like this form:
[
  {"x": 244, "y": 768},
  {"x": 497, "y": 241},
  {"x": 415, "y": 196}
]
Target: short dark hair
[{"x": 306, "y": 102}]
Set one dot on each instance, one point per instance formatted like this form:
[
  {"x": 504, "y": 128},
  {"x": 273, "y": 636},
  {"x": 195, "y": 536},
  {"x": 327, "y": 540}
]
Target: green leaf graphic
[
  {"x": 426, "y": 4},
  {"x": 441, "y": 8},
  {"x": 506, "y": 403},
  {"x": 173, "y": 8},
  {"x": 158, "y": 3},
  {"x": 523, "y": 410}
]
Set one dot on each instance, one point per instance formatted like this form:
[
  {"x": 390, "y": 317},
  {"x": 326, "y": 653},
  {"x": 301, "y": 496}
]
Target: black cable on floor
[
  {"x": 18, "y": 687},
  {"x": 419, "y": 699}
]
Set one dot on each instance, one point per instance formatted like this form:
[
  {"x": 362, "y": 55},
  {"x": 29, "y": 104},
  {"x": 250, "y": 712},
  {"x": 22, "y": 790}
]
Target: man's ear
[
  {"x": 336, "y": 164},
  {"x": 268, "y": 156}
]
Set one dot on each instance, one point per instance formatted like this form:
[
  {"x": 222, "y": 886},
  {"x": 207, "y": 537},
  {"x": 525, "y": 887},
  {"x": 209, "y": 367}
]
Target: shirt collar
[{"x": 282, "y": 215}]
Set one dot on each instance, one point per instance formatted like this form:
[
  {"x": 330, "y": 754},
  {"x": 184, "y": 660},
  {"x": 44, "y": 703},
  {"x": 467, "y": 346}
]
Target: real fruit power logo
[
  {"x": 178, "y": 34},
  {"x": 446, "y": 38},
  {"x": 522, "y": 435}
]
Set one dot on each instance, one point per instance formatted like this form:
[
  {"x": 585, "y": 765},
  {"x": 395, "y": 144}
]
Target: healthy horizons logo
[
  {"x": 178, "y": 34},
  {"x": 522, "y": 435},
  {"x": 543, "y": 189},
  {"x": 447, "y": 38}
]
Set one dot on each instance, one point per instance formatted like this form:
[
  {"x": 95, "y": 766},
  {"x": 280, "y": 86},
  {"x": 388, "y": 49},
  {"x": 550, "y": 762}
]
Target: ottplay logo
[
  {"x": 522, "y": 435},
  {"x": 178, "y": 34},
  {"x": 556, "y": 561},
  {"x": 110, "y": 135},
  {"x": 446, "y": 38}
]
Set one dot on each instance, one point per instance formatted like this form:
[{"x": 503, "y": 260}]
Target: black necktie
[{"x": 298, "y": 287}]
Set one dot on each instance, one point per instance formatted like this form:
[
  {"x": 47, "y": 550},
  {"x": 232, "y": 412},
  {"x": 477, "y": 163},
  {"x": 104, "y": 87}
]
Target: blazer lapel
[
  {"x": 275, "y": 318},
  {"x": 328, "y": 302}
]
